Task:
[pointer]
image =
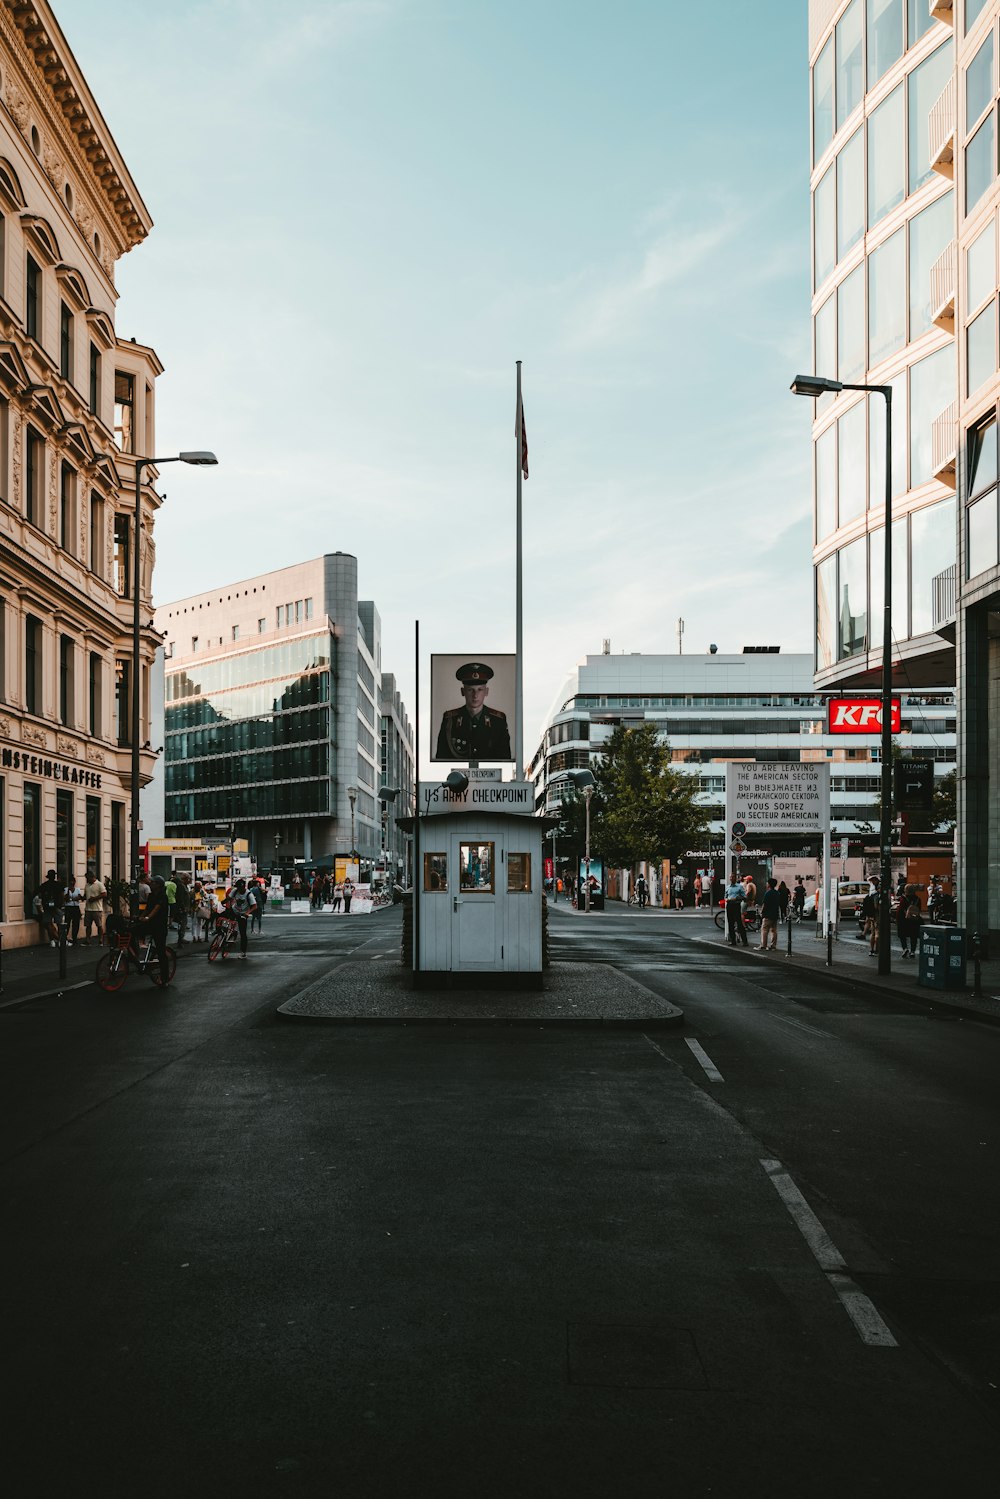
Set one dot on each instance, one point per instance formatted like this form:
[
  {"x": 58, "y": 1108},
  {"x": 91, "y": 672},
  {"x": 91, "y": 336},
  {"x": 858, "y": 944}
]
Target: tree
[
  {"x": 642, "y": 808},
  {"x": 945, "y": 801}
]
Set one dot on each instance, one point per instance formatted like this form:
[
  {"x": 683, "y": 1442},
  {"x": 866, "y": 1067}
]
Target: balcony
[
  {"x": 943, "y": 277},
  {"x": 943, "y": 10},
  {"x": 944, "y": 445},
  {"x": 941, "y": 131},
  {"x": 944, "y": 601}
]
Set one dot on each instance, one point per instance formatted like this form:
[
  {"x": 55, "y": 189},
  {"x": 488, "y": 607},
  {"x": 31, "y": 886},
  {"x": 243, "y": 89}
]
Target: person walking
[
  {"x": 256, "y": 891},
  {"x": 157, "y": 918},
  {"x": 799, "y": 896},
  {"x": 770, "y": 916},
  {"x": 641, "y": 891},
  {"x": 677, "y": 885},
  {"x": 869, "y": 920},
  {"x": 182, "y": 904},
  {"x": 737, "y": 932},
  {"x": 698, "y": 888},
  {"x": 94, "y": 896},
  {"x": 50, "y": 894},
  {"x": 913, "y": 916},
  {"x": 348, "y": 892},
  {"x": 784, "y": 896},
  {"x": 73, "y": 906},
  {"x": 338, "y": 896},
  {"x": 238, "y": 905}
]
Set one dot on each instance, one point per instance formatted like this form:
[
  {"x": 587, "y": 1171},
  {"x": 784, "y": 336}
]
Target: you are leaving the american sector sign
[{"x": 774, "y": 797}]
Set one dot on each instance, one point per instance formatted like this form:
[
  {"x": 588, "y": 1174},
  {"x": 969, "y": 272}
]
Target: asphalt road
[{"x": 244, "y": 1257}]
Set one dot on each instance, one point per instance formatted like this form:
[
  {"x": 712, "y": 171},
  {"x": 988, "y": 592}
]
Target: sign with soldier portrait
[{"x": 472, "y": 707}]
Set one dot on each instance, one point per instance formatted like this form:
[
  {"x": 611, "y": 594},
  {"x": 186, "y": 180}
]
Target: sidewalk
[{"x": 33, "y": 972}]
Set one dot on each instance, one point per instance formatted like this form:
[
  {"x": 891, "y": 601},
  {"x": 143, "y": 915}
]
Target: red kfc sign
[{"x": 861, "y": 715}]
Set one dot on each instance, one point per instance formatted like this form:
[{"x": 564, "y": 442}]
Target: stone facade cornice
[{"x": 75, "y": 125}]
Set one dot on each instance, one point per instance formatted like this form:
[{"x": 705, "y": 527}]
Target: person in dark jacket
[
  {"x": 770, "y": 915},
  {"x": 156, "y": 919},
  {"x": 50, "y": 894}
]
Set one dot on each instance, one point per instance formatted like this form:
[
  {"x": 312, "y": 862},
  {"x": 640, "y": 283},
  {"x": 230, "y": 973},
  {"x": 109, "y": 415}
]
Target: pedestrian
[
  {"x": 641, "y": 892},
  {"x": 157, "y": 918},
  {"x": 198, "y": 909},
  {"x": 677, "y": 884},
  {"x": 348, "y": 892},
  {"x": 869, "y": 920},
  {"x": 73, "y": 906},
  {"x": 912, "y": 921},
  {"x": 784, "y": 896},
  {"x": 737, "y": 932},
  {"x": 338, "y": 896},
  {"x": 751, "y": 892},
  {"x": 257, "y": 907},
  {"x": 94, "y": 896},
  {"x": 698, "y": 888},
  {"x": 170, "y": 886},
  {"x": 770, "y": 916},
  {"x": 50, "y": 895},
  {"x": 238, "y": 906},
  {"x": 182, "y": 904},
  {"x": 901, "y": 931},
  {"x": 799, "y": 896}
]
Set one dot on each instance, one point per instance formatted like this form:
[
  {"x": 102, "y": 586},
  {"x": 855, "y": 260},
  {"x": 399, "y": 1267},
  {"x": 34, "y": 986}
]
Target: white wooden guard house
[{"x": 478, "y": 887}]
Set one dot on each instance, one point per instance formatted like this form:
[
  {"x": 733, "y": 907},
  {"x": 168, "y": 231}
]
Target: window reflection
[
  {"x": 823, "y": 101},
  {"x": 930, "y": 232},
  {"x": 982, "y": 533},
  {"x": 850, "y": 194},
  {"x": 825, "y": 226},
  {"x": 849, "y": 74},
  {"x": 983, "y": 457},
  {"x": 885, "y": 36},
  {"x": 980, "y": 163},
  {"x": 475, "y": 867},
  {"x": 886, "y": 156},
  {"x": 932, "y": 549},
  {"x": 436, "y": 873},
  {"x": 932, "y": 390},
  {"x": 887, "y": 298},
  {"x": 826, "y": 613},
  {"x": 853, "y": 580},
  {"x": 981, "y": 348},
  {"x": 852, "y": 466},
  {"x": 924, "y": 87}
]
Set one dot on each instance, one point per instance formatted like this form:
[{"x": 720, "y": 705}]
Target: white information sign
[
  {"x": 774, "y": 797},
  {"x": 479, "y": 796}
]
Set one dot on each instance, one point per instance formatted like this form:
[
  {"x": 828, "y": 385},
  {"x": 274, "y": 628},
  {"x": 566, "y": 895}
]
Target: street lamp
[
  {"x": 584, "y": 781},
  {"x": 352, "y": 796},
  {"x": 200, "y": 460},
  {"x": 555, "y": 877},
  {"x": 817, "y": 385},
  {"x": 387, "y": 796}
]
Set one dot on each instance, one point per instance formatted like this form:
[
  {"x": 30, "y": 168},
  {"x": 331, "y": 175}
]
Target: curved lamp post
[
  {"x": 352, "y": 796},
  {"x": 199, "y": 460},
  {"x": 818, "y": 385}
]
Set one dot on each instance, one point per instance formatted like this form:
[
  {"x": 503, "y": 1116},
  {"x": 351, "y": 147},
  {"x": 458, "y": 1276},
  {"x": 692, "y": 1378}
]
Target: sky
[{"x": 365, "y": 211}]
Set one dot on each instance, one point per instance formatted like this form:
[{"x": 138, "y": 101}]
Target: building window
[
  {"x": 932, "y": 389},
  {"x": 887, "y": 298},
  {"x": 519, "y": 874},
  {"x": 853, "y": 608},
  {"x": 436, "y": 873},
  {"x": 67, "y": 509},
  {"x": 851, "y": 326},
  {"x": 34, "y": 476},
  {"x": 924, "y": 87},
  {"x": 982, "y": 535},
  {"x": 236, "y": 632},
  {"x": 823, "y": 101},
  {"x": 973, "y": 10},
  {"x": 95, "y": 380},
  {"x": 32, "y": 843},
  {"x": 64, "y": 834},
  {"x": 117, "y": 840},
  {"x": 824, "y": 227},
  {"x": 32, "y": 664},
  {"x": 886, "y": 156},
  {"x": 33, "y": 298},
  {"x": 298, "y": 612},
  {"x": 279, "y": 616},
  {"x": 67, "y": 656},
  {"x": 123, "y": 701},
  {"x": 850, "y": 78},
  {"x": 123, "y": 571},
  {"x": 826, "y": 483},
  {"x": 826, "y": 613},
  {"x": 475, "y": 867},
  {"x": 94, "y": 834},
  {"x": 125, "y": 411},
  {"x": 852, "y": 464},
  {"x": 309, "y": 608},
  {"x": 4, "y": 448},
  {"x": 3, "y": 651},
  {"x": 65, "y": 342},
  {"x": 94, "y": 696},
  {"x": 932, "y": 549},
  {"x": 850, "y": 193},
  {"x": 981, "y": 348},
  {"x": 885, "y": 37},
  {"x": 96, "y": 534},
  {"x": 930, "y": 232},
  {"x": 261, "y": 626}
]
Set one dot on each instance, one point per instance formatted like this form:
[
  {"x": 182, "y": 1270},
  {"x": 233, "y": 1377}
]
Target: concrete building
[
  {"x": 76, "y": 407},
  {"x": 272, "y": 714},
  {"x": 398, "y": 759},
  {"x": 905, "y": 288},
  {"x": 713, "y": 708}
]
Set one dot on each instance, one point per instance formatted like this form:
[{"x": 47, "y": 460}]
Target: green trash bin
[{"x": 942, "y": 957}]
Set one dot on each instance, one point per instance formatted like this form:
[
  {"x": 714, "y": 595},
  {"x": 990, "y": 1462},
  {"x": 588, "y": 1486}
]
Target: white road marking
[
  {"x": 869, "y": 1325},
  {"x": 800, "y": 1025},
  {"x": 711, "y": 1071}
]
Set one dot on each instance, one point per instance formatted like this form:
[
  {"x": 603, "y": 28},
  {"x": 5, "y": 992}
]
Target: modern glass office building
[
  {"x": 905, "y": 288},
  {"x": 272, "y": 714}
]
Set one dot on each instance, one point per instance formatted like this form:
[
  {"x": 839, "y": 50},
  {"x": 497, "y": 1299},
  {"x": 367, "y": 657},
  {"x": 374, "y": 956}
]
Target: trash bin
[{"x": 942, "y": 957}]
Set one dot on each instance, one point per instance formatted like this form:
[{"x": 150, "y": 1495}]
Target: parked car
[{"x": 849, "y": 897}]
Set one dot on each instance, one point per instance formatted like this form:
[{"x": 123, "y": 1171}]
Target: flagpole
[{"x": 519, "y": 635}]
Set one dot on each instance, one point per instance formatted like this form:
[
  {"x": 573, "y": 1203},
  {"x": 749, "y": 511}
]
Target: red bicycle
[{"x": 127, "y": 948}]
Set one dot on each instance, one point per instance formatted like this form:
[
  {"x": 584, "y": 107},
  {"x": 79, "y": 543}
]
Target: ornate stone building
[{"x": 76, "y": 406}]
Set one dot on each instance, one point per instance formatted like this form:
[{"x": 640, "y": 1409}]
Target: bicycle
[
  {"x": 227, "y": 930},
  {"x": 129, "y": 948},
  {"x": 751, "y": 919}
]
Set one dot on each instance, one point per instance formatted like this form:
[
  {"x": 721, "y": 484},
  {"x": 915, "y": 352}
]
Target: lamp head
[
  {"x": 813, "y": 385},
  {"x": 457, "y": 781},
  {"x": 388, "y": 793},
  {"x": 582, "y": 779},
  {"x": 201, "y": 460}
]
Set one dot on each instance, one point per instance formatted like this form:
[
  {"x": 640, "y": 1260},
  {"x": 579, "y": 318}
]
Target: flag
[{"x": 519, "y": 422}]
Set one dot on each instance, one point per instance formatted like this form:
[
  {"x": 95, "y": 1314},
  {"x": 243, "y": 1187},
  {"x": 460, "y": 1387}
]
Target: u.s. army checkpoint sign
[{"x": 775, "y": 797}]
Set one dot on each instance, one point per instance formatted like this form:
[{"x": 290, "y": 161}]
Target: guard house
[{"x": 478, "y": 887}]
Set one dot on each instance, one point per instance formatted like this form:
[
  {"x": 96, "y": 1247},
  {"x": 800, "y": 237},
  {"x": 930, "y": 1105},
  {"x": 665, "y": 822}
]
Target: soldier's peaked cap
[{"x": 472, "y": 672}]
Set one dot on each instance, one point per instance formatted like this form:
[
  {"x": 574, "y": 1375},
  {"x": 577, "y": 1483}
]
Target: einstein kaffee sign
[{"x": 773, "y": 797}]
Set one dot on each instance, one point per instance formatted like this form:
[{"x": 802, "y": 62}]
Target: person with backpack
[
  {"x": 256, "y": 893},
  {"x": 238, "y": 906},
  {"x": 869, "y": 918},
  {"x": 51, "y": 900},
  {"x": 912, "y": 917},
  {"x": 182, "y": 905}
]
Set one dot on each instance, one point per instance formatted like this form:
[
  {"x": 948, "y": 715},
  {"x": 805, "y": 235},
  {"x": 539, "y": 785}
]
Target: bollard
[
  {"x": 1, "y": 962},
  {"x": 788, "y": 919},
  {"x": 62, "y": 948},
  {"x": 977, "y": 969},
  {"x": 829, "y": 944}
]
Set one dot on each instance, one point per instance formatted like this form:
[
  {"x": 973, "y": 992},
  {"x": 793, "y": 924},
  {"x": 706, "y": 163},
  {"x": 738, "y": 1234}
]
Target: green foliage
[
  {"x": 945, "y": 800},
  {"x": 641, "y": 807}
]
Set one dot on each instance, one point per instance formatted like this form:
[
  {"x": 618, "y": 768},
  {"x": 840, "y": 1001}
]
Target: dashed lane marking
[
  {"x": 800, "y": 1025},
  {"x": 711, "y": 1071},
  {"x": 862, "y": 1312}
]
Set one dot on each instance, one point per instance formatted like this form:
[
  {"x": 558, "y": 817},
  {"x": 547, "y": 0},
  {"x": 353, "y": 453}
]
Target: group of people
[
  {"x": 741, "y": 896},
  {"x": 324, "y": 890},
  {"x": 66, "y": 902}
]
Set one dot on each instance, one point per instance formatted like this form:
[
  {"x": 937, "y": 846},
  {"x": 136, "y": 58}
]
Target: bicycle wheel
[
  {"x": 217, "y": 946},
  {"x": 112, "y": 970},
  {"x": 154, "y": 968},
  {"x": 720, "y": 920}
]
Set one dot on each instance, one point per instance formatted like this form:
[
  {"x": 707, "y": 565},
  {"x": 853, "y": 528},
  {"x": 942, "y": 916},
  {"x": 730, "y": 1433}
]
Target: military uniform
[{"x": 467, "y": 736}]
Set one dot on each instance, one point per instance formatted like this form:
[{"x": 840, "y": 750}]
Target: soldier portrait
[{"x": 477, "y": 728}]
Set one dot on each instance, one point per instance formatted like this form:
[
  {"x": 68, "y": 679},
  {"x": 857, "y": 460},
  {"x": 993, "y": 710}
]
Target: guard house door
[{"x": 477, "y": 926}]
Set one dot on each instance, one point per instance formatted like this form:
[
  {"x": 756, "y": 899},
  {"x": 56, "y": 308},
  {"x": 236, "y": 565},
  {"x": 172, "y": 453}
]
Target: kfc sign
[{"x": 861, "y": 715}]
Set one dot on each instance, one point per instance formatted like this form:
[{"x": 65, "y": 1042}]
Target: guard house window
[
  {"x": 436, "y": 873},
  {"x": 124, "y": 411},
  {"x": 67, "y": 654},
  {"x": 32, "y": 664},
  {"x": 97, "y": 535},
  {"x": 34, "y": 476},
  {"x": 67, "y": 509},
  {"x": 123, "y": 701},
  {"x": 519, "y": 874},
  {"x": 32, "y": 298},
  {"x": 475, "y": 869},
  {"x": 123, "y": 532},
  {"x": 94, "y": 695},
  {"x": 95, "y": 380},
  {"x": 65, "y": 342}
]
